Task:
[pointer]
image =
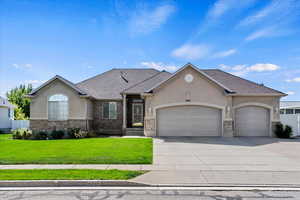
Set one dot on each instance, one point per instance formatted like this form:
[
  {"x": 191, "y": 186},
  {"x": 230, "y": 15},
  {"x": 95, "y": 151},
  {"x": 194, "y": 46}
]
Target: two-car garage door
[{"x": 189, "y": 121}]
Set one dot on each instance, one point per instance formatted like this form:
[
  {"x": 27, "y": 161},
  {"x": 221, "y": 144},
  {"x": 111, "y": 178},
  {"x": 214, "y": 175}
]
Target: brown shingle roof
[
  {"x": 239, "y": 85},
  {"x": 147, "y": 84},
  {"x": 110, "y": 84}
]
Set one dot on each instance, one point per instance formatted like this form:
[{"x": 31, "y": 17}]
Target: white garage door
[
  {"x": 252, "y": 121},
  {"x": 189, "y": 121}
]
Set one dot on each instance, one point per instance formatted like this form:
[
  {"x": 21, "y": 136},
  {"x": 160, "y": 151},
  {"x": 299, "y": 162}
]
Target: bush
[
  {"x": 282, "y": 131},
  {"x": 288, "y": 131},
  {"x": 57, "y": 134},
  {"x": 77, "y": 133},
  {"x": 22, "y": 133},
  {"x": 1, "y": 132},
  {"x": 40, "y": 135},
  {"x": 91, "y": 134}
]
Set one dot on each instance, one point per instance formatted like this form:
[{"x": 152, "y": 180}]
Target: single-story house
[
  {"x": 6, "y": 114},
  {"x": 290, "y": 115},
  {"x": 189, "y": 102}
]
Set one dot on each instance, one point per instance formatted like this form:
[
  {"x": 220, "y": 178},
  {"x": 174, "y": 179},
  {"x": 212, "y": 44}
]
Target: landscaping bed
[
  {"x": 67, "y": 174},
  {"x": 76, "y": 151}
]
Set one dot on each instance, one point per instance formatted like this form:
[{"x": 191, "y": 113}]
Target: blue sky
[{"x": 256, "y": 39}]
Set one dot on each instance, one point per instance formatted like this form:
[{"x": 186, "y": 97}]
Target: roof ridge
[
  {"x": 249, "y": 81},
  {"x": 115, "y": 69},
  {"x": 135, "y": 69},
  {"x": 159, "y": 72}
]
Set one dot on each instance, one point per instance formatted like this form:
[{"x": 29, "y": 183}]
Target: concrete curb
[
  {"x": 71, "y": 183},
  {"x": 125, "y": 183}
]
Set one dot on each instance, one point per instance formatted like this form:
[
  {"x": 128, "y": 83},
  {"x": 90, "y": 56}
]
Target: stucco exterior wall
[
  {"x": 199, "y": 90},
  {"x": 177, "y": 91},
  {"x": 39, "y": 103},
  {"x": 272, "y": 102},
  {"x": 202, "y": 91}
]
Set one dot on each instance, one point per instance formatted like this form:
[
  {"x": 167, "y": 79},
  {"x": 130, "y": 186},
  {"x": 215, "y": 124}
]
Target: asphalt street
[{"x": 151, "y": 194}]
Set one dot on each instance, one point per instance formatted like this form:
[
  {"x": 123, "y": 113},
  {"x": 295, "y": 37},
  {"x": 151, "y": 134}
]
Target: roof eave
[
  {"x": 257, "y": 94},
  {"x": 195, "y": 68},
  {"x": 69, "y": 83}
]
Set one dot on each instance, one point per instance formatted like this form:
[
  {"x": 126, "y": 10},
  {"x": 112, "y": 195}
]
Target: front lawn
[
  {"x": 76, "y": 151},
  {"x": 67, "y": 174}
]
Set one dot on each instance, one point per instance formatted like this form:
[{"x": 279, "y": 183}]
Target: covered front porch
[{"x": 133, "y": 114}]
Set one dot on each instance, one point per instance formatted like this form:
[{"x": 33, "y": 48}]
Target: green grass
[
  {"x": 76, "y": 151},
  {"x": 67, "y": 174}
]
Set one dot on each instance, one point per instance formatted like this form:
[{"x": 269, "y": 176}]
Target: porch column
[{"x": 124, "y": 112}]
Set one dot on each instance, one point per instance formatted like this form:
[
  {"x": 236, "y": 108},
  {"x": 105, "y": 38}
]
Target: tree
[{"x": 17, "y": 97}]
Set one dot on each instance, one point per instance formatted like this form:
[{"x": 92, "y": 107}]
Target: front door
[{"x": 137, "y": 115}]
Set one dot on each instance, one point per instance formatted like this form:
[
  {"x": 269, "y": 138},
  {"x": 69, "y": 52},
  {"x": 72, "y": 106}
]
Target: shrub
[
  {"x": 77, "y": 133},
  {"x": 22, "y": 133},
  {"x": 57, "y": 134},
  {"x": 282, "y": 131},
  {"x": 40, "y": 135},
  {"x": 1, "y": 132},
  {"x": 91, "y": 134},
  {"x": 288, "y": 131}
]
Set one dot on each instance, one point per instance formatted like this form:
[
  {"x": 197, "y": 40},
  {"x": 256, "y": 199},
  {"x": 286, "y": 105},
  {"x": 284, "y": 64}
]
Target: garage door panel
[
  {"x": 189, "y": 121},
  {"x": 252, "y": 121}
]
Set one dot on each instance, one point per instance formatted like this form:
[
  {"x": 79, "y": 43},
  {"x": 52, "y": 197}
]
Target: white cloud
[
  {"x": 223, "y": 54},
  {"x": 242, "y": 70},
  {"x": 222, "y": 7},
  {"x": 34, "y": 81},
  {"x": 192, "y": 51},
  {"x": 276, "y": 10},
  {"x": 22, "y": 66},
  {"x": 265, "y": 32},
  {"x": 263, "y": 67},
  {"x": 159, "y": 66},
  {"x": 291, "y": 93},
  {"x": 296, "y": 80},
  {"x": 145, "y": 20}
]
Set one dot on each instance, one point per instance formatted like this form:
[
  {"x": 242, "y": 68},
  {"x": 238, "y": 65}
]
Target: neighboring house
[
  {"x": 290, "y": 115},
  {"x": 6, "y": 114},
  {"x": 189, "y": 102}
]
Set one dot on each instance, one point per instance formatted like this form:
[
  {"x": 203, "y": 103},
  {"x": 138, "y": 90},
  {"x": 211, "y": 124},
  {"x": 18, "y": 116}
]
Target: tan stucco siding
[
  {"x": 39, "y": 103},
  {"x": 200, "y": 90},
  {"x": 271, "y": 102},
  {"x": 176, "y": 91}
]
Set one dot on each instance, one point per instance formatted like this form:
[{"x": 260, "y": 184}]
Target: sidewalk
[
  {"x": 213, "y": 178},
  {"x": 172, "y": 175}
]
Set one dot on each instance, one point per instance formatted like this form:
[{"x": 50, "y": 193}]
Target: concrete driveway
[{"x": 216, "y": 153}]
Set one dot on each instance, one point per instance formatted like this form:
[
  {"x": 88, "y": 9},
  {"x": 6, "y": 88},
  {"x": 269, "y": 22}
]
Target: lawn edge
[{"x": 71, "y": 183}]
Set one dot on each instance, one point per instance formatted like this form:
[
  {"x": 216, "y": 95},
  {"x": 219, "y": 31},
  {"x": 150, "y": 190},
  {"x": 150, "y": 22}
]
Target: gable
[
  {"x": 51, "y": 82},
  {"x": 201, "y": 89},
  {"x": 56, "y": 87}
]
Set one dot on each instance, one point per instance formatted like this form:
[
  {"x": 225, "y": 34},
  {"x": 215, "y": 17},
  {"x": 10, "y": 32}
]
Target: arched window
[{"x": 58, "y": 108}]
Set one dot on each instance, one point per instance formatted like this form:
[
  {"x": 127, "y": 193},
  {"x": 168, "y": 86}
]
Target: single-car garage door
[
  {"x": 252, "y": 121},
  {"x": 189, "y": 121}
]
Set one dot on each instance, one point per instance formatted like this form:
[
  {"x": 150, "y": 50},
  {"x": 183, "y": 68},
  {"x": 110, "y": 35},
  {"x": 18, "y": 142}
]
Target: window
[
  {"x": 109, "y": 110},
  {"x": 289, "y": 111},
  {"x": 8, "y": 113},
  {"x": 58, "y": 108},
  {"x": 297, "y": 111},
  {"x": 281, "y": 111}
]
